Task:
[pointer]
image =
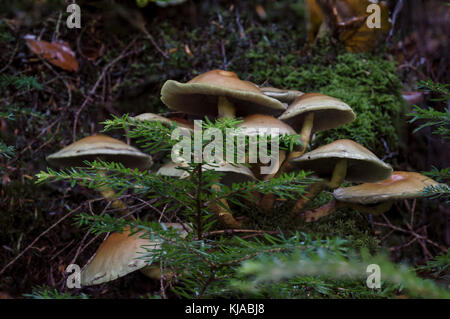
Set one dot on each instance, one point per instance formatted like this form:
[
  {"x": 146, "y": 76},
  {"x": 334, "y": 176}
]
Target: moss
[{"x": 366, "y": 82}]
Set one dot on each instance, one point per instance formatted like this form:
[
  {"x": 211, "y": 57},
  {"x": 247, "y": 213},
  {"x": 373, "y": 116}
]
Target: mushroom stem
[
  {"x": 339, "y": 173},
  {"x": 269, "y": 199},
  {"x": 222, "y": 212},
  {"x": 332, "y": 206},
  {"x": 305, "y": 133},
  {"x": 109, "y": 194},
  {"x": 225, "y": 108},
  {"x": 313, "y": 191}
]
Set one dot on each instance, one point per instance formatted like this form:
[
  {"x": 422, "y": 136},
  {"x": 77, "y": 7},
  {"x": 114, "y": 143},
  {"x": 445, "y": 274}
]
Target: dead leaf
[
  {"x": 362, "y": 38},
  {"x": 315, "y": 19},
  {"x": 57, "y": 53},
  {"x": 347, "y": 20}
]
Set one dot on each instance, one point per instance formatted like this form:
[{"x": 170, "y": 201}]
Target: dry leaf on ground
[{"x": 57, "y": 53}]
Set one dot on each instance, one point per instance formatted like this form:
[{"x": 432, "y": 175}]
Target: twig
[
  {"x": 398, "y": 8},
  {"x": 94, "y": 88}
]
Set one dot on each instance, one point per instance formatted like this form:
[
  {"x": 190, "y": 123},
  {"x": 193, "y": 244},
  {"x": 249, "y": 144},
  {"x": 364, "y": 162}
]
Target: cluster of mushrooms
[{"x": 221, "y": 94}]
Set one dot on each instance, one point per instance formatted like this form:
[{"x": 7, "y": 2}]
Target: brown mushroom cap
[
  {"x": 363, "y": 165},
  {"x": 260, "y": 124},
  {"x": 233, "y": 173},
  {"x": 200, "y": 95},
  {"x": 164, "y": 120},
  {"x": 329, "y": 112},
  {"x": 282, "y": 95},
  {"x": 121, "y": 254},
  {"x": 100, "y": 147},
  {"x": 401, "y": 185}
]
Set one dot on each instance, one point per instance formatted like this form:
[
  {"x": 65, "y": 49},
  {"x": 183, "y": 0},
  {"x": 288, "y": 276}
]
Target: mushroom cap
[
  {"x": 164, "y": 120},
  {"x": 233, "y": 173},
  {"x": 362, "y": 166},
  {"x": 260, "y": 124},
  {"x": 100, "y": 147},
  {"x": 401, "y": 185},
  {"x": 171, "y": 169},
  {"x": 329, "y": 112},
  {"x": 200, "y": 95},
  {"x": 121, "y": 254},
  {"x": 282, "y": 95}
]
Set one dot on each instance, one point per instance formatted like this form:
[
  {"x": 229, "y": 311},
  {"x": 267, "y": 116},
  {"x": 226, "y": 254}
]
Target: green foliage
[
  {"x": 266, "y": 270},
  {"x": 283, "y": 265},
  {"x": 211, "y": 261},
  {"x": 191, "y": 195},
  {"x": 10, "y": 111},
  {"x": 268, "y": 54},
  {"x": 20, "y": 82},
  {"x": 367, "y": 83},
  {"x": 6, "y": 151},
  {"x": 45, "y": 292},
  {"x": 432, "y": 118},
  {"x": 440, "y": 175},
  {"x": 441, "y": 121},
  {"x": 439, "y": 267}
]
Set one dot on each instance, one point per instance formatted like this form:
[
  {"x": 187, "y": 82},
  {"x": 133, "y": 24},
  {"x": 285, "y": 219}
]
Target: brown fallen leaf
[
  {"x": 347, "y": 21},
  {"x": 359, "y": 37},
  {"x": 57, "y": 53}
]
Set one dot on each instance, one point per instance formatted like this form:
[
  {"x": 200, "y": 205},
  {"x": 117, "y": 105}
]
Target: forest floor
[{"x": 125, "y": 55}]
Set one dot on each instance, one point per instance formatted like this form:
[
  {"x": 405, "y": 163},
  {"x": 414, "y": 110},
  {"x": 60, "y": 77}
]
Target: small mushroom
[
  {"x": 99, "y": 147},
  {"x": 105, "y": 148},
  {"x": 342, "y": 160},
  {"x": 121, "y": 254},
  {"x": 260, "y": 125},
  {"x": 172, "y": 169},
  {"x": 282, "y": 95},
  {"x": 218, "y": 93},
  {"x": 314, "y": 112},
  {"x": 309, "y": 113},
  {"x": 400, "y": 185},
  {"x": 181, "y": 123}
]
